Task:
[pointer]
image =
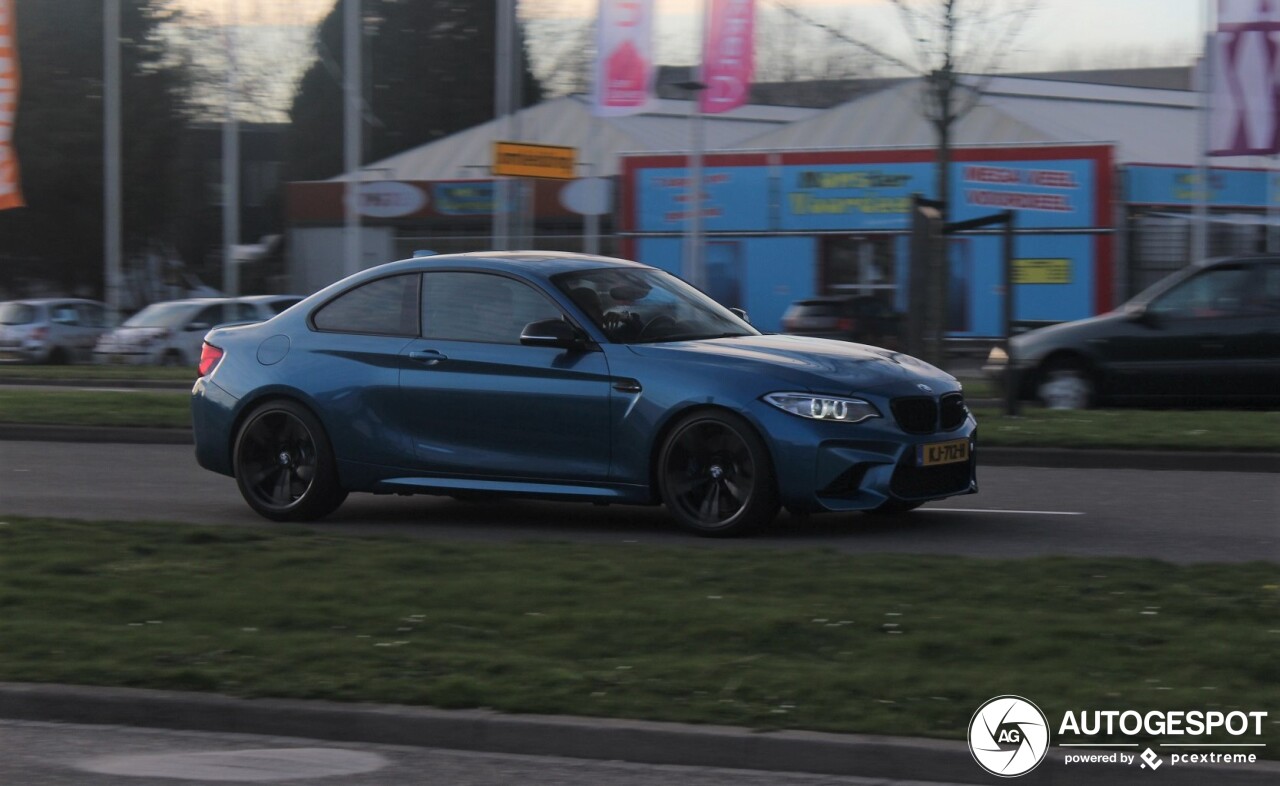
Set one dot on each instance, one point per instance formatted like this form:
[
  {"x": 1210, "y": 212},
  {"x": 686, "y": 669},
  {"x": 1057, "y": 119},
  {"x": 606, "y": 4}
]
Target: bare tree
[{"x": 950, "y": 39}]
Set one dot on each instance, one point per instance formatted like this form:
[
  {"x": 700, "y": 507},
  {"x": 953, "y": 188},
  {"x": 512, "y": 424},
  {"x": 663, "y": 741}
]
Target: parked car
[
  {"x": 861, "y": 318},
  {"x": 50, "y": 330},
  {"x": 572, "y": 377},
  {"x": 1207, "y": 334},
  {"x": 170, "y": 333}
]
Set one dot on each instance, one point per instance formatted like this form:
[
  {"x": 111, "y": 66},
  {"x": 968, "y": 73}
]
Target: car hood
[
  {"x": 819, "y": 364},
  {"x": 1069, "y": 333}
]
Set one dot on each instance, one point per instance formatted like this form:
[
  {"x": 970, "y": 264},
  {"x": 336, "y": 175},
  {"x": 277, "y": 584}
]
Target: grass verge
[
  {"x": 1129, "y": 428},
  {"x": 95, "y": 373},
  {"x": 158, "y": 409},
  {"x": 817, "y": 640},
  {"x": 1136, "y": 429}
]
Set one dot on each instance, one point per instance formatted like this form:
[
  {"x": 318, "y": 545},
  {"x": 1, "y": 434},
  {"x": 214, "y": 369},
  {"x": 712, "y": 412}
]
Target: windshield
[
  {"x": 159, "y": 315},
  {"x": 17, "y": 314},
  {"x": 641, "y": 306}
]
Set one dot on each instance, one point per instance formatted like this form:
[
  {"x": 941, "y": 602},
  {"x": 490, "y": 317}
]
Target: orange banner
[{"x": 10, "y": 191}]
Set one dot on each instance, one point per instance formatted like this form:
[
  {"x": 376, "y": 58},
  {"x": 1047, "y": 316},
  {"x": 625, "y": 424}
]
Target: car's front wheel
[
  {"x": 1066, "y": 384},
  {"x": 284, "y": 464},
  {"x": 715, "y": 475}
]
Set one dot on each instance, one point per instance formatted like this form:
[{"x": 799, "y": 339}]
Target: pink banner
[
  {"x": 728, "y": 60},
  {"x": 10, "y": 191},
  {"x": 624, "y": 57},
  {"x": 1245, "y": 115}
]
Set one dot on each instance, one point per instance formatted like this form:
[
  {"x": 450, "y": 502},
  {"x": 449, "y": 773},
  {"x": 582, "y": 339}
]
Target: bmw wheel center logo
[{"x": 1008, "y": 736}]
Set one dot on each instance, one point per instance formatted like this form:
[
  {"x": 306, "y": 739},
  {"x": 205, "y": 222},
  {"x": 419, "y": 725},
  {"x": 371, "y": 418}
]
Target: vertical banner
[
  {"x": 1245, "y": 116},
  {"x": 728, "y": 55},
  {"x": 624, "y": 57},
  {"x": 10, "y": 192}
]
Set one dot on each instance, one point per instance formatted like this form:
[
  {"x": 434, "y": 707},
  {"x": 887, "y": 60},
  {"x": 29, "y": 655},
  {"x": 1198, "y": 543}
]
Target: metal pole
[
  {"x": 351, "y": 134},
  {"x": 1200, "y": 226},
  {"x": 695, "y": 229},
  {"x": 231, "y": 161},
  {"x": 502, "y": 202},
  {"x": 1011, "y": 381},
  {"x": 112, "y": 193}
]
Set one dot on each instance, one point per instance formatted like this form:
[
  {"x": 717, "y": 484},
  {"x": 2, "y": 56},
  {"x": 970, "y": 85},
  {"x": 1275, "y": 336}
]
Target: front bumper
[{"x": 845, "y": 467}]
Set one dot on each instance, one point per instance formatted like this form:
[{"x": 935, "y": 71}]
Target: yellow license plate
[{"x": 942, "y": 453}]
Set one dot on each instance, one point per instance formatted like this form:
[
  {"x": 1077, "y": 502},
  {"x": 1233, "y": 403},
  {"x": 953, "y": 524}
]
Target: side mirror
[
  {"x": 1138, "y": 312},
  {"x": 552, "y": 333},
  {"x": 741, "y": 314}
]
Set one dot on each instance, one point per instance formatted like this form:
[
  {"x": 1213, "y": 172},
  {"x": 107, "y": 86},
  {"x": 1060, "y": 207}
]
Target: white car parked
[
  {"x": 170, "y": 333},
  {"x": 50, "y": 330}
]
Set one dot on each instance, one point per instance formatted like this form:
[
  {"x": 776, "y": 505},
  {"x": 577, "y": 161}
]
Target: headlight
[{"x": 807, "y": 405}]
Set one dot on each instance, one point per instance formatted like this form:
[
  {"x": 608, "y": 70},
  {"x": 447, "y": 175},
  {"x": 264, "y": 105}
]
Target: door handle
[{"x": 427, "y": 357}]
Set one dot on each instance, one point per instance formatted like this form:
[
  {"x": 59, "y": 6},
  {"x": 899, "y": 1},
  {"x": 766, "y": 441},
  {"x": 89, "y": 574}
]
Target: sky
[
  {"x": 1060, "y": 34},
  {"x": 1059, "y": 31}
]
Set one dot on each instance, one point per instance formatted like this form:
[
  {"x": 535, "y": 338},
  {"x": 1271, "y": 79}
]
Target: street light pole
[
  {"x": 231, "y": 161},
  {"x": 692, "y": 268},
  {"x": 351, "y": 136},
  {"x": 112, "y": 191}
]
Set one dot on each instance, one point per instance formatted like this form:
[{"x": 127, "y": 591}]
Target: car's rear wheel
[
  {"x": 1066, "y": 384},
  {"x": 284, "y": 464},
  {"x": 715, "y": 475}
]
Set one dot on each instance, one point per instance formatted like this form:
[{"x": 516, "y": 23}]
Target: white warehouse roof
[
  {"x": 1146, "y": 126},
  {"x": 600, "y": 140}
]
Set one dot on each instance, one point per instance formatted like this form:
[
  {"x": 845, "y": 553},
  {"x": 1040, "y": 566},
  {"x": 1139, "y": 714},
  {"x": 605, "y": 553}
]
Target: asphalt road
[
  {"x": 47, "y": 754},
  {"x": 1171, "y": 515}
]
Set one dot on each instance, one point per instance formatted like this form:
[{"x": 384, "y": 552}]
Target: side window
[
  {"x": 65, "y": 315},
  {"x": 481, "y": 307},
  {"x": 1265, "y": 298},
  {"x": 209, "y": 315},
  {"x": 385, "y": 307},
  {"x": 246, "y": 312},
  {"x": 1220, "y": 292},
  {"x": 91, "y": 315}
]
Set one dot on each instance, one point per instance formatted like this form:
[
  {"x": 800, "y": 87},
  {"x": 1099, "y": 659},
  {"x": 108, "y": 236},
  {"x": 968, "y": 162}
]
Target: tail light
[
  {"x": 39, "y": 333},
  {"x": 209, "y": 357}
]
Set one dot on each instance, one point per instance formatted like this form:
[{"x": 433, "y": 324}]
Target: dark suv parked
[
  {"x": 861, "y": 318},
  {"x": 1207, "y": 334}
]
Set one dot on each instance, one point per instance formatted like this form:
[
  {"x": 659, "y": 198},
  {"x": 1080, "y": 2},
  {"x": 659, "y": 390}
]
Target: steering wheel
[
  {"x": 657, "y": 323},
  {"x": 618, "y": 327}
]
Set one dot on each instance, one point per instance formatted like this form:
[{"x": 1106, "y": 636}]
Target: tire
[
  {"x": 172, "y": 359},
  {"x": 284, "y": 464},
  {"x": 715, "y": 475},
  {"x": 1066, "y": 384}
]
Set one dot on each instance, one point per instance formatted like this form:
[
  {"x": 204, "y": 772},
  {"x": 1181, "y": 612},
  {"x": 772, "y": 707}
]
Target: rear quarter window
[
  {"x": 385, "y": 307},
  {"x": 17, "y": 314}
]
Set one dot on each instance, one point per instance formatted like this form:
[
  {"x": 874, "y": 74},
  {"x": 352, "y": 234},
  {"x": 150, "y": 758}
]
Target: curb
[
  {"x": 644, "y": 742},
  {"x": 1056, "y": 458}
]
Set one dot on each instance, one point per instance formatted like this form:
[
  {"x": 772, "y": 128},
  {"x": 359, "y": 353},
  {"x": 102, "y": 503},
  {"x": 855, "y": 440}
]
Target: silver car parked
[
  {"x": 50, "y": 330},
  {"x": 170, "y": 333}
]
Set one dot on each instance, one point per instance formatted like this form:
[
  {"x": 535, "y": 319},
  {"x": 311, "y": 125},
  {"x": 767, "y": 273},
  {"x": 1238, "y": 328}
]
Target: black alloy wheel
[
  {"x": 715, "y": 475},
  {"x": 284, "y": 465}
]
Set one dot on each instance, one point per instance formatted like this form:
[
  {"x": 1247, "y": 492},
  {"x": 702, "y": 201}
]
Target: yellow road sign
[
  {"x": 519, "y": 159},
  {"x": 1042, "y": 271}
]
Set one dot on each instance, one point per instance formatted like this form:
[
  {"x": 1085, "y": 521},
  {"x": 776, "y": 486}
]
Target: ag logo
[{"x": 1008, "y": 736}]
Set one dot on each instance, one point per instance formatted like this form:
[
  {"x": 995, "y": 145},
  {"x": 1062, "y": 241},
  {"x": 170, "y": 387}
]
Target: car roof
[
  {"x": 42, "y": 301},
  {"x": 538, "y": 263},
  {"x": 1235, "y": 260}
]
